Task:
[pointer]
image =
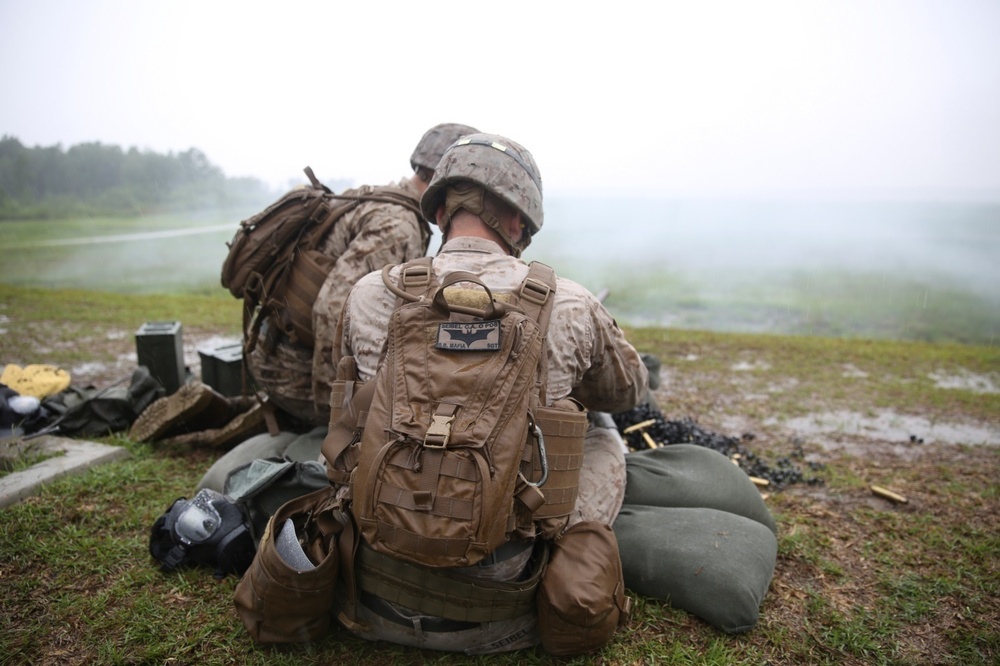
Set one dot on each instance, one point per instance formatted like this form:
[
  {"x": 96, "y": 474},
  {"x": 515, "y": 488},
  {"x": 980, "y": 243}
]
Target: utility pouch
[
  {"x": 287, "y": 594},
  {"x": 581, "y": 599},
  {"x": 564, "y": 427},
  {"x": 308, "y": 272}
]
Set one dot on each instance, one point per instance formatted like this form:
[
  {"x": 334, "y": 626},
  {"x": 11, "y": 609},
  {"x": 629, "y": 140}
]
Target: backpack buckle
[
  {"x": 415, "y": 276},
  {"x": 534, "y": 291},
  {"x": 439, "y": 431}
]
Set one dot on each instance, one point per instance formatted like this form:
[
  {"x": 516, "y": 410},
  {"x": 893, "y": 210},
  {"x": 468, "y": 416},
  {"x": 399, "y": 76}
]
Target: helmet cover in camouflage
[
  {"x": 435, "y": 141},
  {"x": 503, "y": 167}
]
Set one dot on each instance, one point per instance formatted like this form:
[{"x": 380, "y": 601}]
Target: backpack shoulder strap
[
  {"x": 416, "y": 279},
  {"x": 396, "y": 195},
  {"x": 537, "y": 293}
]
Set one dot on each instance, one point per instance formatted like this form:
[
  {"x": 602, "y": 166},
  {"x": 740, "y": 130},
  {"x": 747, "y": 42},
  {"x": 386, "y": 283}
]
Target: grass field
[
  {"x": 872, "y": 301},
  {"x": 859, "y": 579}
]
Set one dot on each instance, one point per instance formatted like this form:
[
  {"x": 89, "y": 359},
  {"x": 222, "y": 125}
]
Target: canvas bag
[
  {"x": 273, "y": 262},
  {"x": 581, "y": 599},
  {"x": 449, "y": 435},
  {"x": 89, "y": 412},
  {"x": 281, "y": 602}
]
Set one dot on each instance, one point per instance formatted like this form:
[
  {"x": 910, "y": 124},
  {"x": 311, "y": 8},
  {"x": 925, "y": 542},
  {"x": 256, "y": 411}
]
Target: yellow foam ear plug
[{"x": 36, "y": 380}]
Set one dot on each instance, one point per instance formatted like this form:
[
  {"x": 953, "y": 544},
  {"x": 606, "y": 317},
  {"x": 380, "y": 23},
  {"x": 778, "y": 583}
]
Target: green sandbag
[
  {"x": 692, "y": 476},
  {"x": 713, "y": 564}
]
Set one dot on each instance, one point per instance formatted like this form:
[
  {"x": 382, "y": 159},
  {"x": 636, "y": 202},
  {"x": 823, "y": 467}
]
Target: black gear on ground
[{"x": 781, "y": 474}]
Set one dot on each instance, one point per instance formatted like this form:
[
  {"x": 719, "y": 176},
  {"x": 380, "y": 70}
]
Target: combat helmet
[
  {"x": 503, "y": 167},
  {"x": 435, "y": 141}
]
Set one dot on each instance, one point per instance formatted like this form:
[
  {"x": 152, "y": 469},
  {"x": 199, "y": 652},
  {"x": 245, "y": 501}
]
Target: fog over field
[
  {"x": 721, "y": 241},
  {"x": 885, "y": 269}
]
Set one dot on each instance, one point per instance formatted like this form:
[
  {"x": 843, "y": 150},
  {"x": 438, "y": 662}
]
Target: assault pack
[
  {"x": 451, "y": 455},
  {"x": 274, "y": 263},
  {"x": 437, "y": 472}
]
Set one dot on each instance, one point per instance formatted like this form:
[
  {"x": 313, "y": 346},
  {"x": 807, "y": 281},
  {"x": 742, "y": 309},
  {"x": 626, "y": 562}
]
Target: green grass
[
  {"x": 855, "y": 583},
  {"x": 125, "y": 263},
  {"x": 888, "y": 374}
]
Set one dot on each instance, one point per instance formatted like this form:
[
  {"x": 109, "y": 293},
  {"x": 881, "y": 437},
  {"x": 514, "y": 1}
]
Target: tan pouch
[
  {"x": 278, "y": 601},
  {"x": 564, "y": 427},
  {"x": 581, "y": 600},
  {"x": 306, "y": 276}
]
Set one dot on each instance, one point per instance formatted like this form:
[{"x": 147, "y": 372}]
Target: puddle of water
[
  {"x": 744, "y": 366},
  {"x": 851, "y": 371},
  {"x": 892, "y": 427},
  {"x": 964, "y": 380}
]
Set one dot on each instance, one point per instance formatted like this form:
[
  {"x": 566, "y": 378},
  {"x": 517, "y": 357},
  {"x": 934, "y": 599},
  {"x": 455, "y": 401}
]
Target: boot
[{"x": 193, "y": 407}]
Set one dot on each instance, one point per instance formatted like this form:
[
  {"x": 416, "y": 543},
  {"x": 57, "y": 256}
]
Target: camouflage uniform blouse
[
  {"x": 374, "y": 234},
  {"x": 589, "y": 358}
]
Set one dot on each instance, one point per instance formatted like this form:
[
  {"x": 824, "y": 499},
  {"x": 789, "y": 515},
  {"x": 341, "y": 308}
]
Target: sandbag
[
  {"x": 713, "y": 564},
  {"x": 688, "y": 475}
]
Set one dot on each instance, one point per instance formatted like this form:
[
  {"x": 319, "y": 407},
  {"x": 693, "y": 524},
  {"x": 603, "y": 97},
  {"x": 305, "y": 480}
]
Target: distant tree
[{"x": 95, "y": 178}]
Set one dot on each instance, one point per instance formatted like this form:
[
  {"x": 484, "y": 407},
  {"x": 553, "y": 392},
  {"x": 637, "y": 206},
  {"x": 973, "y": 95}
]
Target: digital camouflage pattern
[
  {"x": 435, "y": 141},
  {"x": 589, "y": 358}
]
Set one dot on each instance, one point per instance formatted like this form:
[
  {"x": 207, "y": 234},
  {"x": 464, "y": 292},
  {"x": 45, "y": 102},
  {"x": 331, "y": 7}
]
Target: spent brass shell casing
[
  {"x": 888, "y": 494},
  {"x": 638, "y": 426}
]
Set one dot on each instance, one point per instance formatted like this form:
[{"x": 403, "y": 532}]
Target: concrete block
[{"x": 77, "y": 456}]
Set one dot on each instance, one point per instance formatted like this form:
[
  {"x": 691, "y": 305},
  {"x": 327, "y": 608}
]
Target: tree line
[{"x": 99, "y": 179}]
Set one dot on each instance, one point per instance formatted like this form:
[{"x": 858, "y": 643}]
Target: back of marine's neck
[{"x": 466, "y": 225}]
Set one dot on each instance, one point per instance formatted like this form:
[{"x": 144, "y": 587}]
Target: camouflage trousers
[
  {"x": 285, "y": 376},
  {"x": 602, "y": 477}
]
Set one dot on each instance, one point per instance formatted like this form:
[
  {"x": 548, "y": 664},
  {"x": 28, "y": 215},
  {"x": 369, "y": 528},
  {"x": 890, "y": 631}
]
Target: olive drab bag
[
  {"x": 445, "y": 455},
  {"x": 274, "y": 263}
]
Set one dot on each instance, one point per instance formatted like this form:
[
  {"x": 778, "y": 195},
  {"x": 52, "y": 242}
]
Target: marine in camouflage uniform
[
  {"x": 297, "y": 378},
  {"x": 479, "y": 185},
  {"x": 588, "y": 356}
]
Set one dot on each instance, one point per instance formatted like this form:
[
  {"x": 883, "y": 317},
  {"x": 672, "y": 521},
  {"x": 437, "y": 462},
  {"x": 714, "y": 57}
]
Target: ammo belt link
[{"x": 441, "y": 594}]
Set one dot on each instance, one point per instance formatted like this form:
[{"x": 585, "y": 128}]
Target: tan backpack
[
  {"x": 274, "y": 264},
  {"x": 444, "y": 462}
]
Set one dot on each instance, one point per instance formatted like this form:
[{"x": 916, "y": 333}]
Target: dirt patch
[
  {"x": 119, "y": 350},
  {"x": 833, "y": 430}
]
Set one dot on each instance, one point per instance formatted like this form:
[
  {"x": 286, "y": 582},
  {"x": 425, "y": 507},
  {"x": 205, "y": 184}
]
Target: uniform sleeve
[
  {"x": 361, "y": 331},
  {"x": 386, "y": 234},
  {"x": 616, "y": 379}
]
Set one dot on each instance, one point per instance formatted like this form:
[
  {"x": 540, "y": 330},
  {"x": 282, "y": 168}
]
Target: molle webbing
[
  {"x": 438, "y": 482},
  {"x": 438, "y": 593},
  {"x": 564, "y": 426}
]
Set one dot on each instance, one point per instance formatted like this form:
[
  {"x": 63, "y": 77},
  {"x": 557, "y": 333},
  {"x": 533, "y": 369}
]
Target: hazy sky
[{"x": 694, "y": 97}]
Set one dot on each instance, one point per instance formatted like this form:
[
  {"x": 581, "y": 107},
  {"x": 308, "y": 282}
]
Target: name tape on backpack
[{"x": 474, "y": 336}]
